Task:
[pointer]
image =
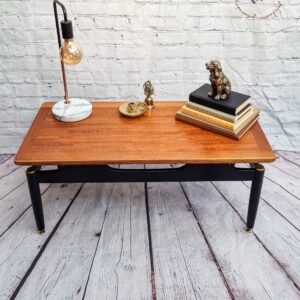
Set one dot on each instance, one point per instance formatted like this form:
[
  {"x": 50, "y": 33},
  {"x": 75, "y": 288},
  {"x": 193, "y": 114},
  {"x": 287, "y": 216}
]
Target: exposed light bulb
[{"x": 71, "y": 52}]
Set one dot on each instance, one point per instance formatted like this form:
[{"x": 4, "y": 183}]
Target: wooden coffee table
[{"x": 82, "y": 152}]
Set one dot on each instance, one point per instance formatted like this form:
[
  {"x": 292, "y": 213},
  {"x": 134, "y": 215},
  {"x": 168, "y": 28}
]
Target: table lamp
[{"x": 68, "y": 110}]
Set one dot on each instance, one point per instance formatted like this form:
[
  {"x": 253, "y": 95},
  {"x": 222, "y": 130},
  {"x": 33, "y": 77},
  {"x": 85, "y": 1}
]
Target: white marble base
[{"x": 75, "y": 111}]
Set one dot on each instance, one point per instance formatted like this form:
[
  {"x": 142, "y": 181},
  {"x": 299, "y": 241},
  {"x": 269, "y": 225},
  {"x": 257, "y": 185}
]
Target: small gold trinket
[
  {"x": 133, "y": 109},
  {"x": 149, "y": 91}
]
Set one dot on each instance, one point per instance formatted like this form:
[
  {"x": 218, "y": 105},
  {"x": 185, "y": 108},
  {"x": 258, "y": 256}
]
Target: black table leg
[
  {"x": 103, "y": 173},
  {"x": 36, "y": 199},
  {"x": 255, "y": 195}
]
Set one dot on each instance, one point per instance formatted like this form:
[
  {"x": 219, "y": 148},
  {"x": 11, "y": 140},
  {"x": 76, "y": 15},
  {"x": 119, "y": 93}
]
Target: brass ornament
[
  {"x": 220, "y": 84},
  {"x": 133, "y": 109},
  {"x": 149, "y": 91}
]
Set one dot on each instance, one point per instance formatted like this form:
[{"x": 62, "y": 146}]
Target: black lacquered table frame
[{"x": 104, "y": 173}]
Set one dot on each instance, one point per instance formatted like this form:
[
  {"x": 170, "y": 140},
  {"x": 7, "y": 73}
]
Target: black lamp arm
[
  {"x": 55, "y": 3},
  {"x": 66, "y": 21}
]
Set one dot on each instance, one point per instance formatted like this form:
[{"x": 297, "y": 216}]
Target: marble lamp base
[{"x": 76, "y": 110}]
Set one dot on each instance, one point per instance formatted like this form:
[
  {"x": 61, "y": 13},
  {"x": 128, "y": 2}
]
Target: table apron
[{"x": 104, "y": 173}]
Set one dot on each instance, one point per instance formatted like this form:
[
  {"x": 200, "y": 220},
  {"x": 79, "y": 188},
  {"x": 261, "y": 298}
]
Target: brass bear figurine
[{"x": 220, "y": 84}]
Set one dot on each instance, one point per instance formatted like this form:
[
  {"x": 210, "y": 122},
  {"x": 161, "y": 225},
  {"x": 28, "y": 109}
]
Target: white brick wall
[{"x": 167, "y": 41}]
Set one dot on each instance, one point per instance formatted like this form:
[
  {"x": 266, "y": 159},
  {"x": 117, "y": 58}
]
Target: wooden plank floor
[{"x": 151, "y": 240}]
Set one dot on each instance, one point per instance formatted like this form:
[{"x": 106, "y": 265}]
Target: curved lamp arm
[{"x": 55, "y": 3}]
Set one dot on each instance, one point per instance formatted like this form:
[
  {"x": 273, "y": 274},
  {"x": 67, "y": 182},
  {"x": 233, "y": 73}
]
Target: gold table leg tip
[
  {"x": 41, "y": 231},
  {"x": 249, "y": 230}
]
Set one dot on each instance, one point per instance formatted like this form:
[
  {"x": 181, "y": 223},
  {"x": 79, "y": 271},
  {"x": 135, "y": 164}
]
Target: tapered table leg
[
  {"x": 255, "y": 195},
  {"x": 36, "y": 199},
  {"x": 101, "y": 173}
]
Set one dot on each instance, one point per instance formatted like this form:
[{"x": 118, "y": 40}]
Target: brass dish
[{"x": 133, "y": 109}]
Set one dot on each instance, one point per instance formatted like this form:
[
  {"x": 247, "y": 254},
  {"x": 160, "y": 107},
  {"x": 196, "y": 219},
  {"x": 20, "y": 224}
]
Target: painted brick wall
[{"x": 167, "y": 41}]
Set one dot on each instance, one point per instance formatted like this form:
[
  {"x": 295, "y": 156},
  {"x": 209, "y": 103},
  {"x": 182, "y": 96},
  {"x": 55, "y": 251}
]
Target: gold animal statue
[
  {"x": 149, "y": 91},
  {"x": 220, "y": 84}
]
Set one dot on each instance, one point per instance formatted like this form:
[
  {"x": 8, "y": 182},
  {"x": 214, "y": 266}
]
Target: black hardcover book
[{"x": 232, "y": 105}]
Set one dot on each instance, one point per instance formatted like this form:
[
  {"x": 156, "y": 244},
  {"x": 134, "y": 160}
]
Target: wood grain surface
[
  {"x": 24, "y": 244},
  {"x": 121, "y": 267},
  {"x": 156, "y": 137},
  {"x": 278, "y": 236},
  {"x": 183, "y": 264},
  {"x": 4, "y": 157},
  {"x": 242, "y": 258},
  {"x": 292, "y": 157},
  {"x": 12, "y": 181},
  {"x": 7, "y": 167},
  {"x": 14, "y": 204},
  {"x": 71, "y": 250}
]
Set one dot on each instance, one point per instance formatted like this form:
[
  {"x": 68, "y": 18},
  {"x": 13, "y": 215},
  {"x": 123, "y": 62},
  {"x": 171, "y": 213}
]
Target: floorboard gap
[
  {"x": 13, "y": 189},
  {"x": 282, "y": 187},
  {"x": 294, "y": 163},
  {"x": 259, "y": 240},
  {"x": 208, "y": 245},
  {"x": 153, "y": 286},
  {"x": 43, "y": 247},
  {"x": 99, "y": 237},
  {"x": 10, "y": 156},
  {"x": 10, "y": 172}
]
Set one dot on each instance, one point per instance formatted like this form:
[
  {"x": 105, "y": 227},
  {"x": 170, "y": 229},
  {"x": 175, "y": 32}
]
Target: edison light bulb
[{"x": 71, "y": 52}]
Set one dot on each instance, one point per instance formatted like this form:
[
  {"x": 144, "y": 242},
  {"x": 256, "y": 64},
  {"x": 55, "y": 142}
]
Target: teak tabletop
[{"x": 106, "y": 137}]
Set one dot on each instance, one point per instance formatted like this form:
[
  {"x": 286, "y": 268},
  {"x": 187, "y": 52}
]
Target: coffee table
[{"x": 84, "y": 150}]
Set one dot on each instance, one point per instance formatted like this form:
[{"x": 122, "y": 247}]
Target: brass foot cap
[
  {"x": 260, "y": 168},
  {"x": 249, "y": 230},
  {"x": 41, "y": 231}
]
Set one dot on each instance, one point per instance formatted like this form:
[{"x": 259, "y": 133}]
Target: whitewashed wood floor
[{"x": 151, "y": 241}]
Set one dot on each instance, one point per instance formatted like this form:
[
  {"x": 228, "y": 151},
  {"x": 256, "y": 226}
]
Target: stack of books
[{"x": 232, "y": 117}]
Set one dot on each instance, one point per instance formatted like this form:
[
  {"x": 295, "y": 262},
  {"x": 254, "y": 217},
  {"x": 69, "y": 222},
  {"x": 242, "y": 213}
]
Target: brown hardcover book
[
  {"x": 246, "y": 128},
  {"x": 218, "y": 121},
  {"x": 217, "y": 113},
  {"x": 235, "y": 135}
]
